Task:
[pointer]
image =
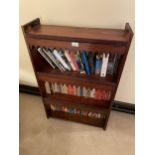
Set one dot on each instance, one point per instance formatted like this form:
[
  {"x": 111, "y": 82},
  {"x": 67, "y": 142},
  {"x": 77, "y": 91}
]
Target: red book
[
  {"x": 103, "y": 95},
  {"x": 73, "y": 58},
  {"x": 97, "y": 93},
  {"x": 69, "y": 89}
]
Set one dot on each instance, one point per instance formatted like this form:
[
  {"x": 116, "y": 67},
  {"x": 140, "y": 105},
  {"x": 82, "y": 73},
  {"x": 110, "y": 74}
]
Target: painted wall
[{"x": 87, "y": 13}]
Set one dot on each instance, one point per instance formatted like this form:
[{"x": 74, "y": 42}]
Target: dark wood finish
[{"x": 89, "y": 39}]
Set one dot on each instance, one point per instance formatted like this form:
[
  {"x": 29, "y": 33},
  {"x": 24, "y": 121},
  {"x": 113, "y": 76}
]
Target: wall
[{"x": 87, "y": 13}]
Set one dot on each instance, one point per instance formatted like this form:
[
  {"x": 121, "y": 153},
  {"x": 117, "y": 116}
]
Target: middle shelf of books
[{"x": 89, "y": 65}]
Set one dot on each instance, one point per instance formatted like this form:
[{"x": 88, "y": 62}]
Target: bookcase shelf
[{"x": 72, "y": 95}]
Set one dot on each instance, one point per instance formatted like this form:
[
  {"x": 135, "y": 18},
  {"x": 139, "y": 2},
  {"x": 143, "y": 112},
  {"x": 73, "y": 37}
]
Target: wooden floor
[{"x": 42, "y": 136}]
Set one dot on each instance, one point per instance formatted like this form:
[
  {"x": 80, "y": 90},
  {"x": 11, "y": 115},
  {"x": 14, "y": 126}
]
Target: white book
[
  {"x": 69, "y": 60},
  {"x": 105, "y": 60},
  {"x": 47, "y": 87},
  {"x": 57, "y": 55},
  {"x": 53, "y": 88},
  {"x": 56, "y": 87},
  {"x": 45, "y": 57},
  {"x": 65, "y": 89},
  {"x": 84, "y": 92},
  {"x": 92, "y": 93}
]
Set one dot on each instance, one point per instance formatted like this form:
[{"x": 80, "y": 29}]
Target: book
[
  {"x": 98, "y": 64},
  {"x": 73, "y": 58},
  {"x": 84, "y": 92},
  {"x": 62, "y": 54},
  {"x": 92, "y": 93},
  {"x": 70, "y": 90},
  {"x": 56, "y": 87},
  {"x": 81, "y": 91},
  {"x": 67, "y": 54},
  {"x": 53, "y": 59},
  {"x": 116, "y": 62},
  {"x": 59, "y": 88},
  {"x": 88, "y": 92},
  {"x": 91, "y": 60},
  {"x": 47, "y": 87},
  {"x": 74, "y": 90},
  {"x": 78, "y": 90},
  {"x": 45, "y": 57},
  {"x": 79, "y": 62},
  {"x": 85, "y": 62},
  {"x": 65, "y": 89},
  {"x": 53, "y": 88},
  {"x": 104, "y": 64},
  {"x": 58, "y": 56}
]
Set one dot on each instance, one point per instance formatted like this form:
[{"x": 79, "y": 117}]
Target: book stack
[
  {"x": 77, "y": 111},
  {"x": 88, "y": 63},
  {"x": 77, "y": 91}
]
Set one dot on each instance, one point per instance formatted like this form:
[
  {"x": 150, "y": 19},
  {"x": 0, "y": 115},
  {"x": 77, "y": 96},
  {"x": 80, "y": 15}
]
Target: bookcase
[{"x": 92, "y": 109}]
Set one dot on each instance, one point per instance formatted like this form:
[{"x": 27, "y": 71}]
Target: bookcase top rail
[{"x": 76, "y": 33}]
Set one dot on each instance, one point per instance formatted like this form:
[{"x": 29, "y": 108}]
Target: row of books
[
  {"x": 77, "y": 91},
  {"x": 81, "y": 61},
  {"x": 77, "y": 111}
]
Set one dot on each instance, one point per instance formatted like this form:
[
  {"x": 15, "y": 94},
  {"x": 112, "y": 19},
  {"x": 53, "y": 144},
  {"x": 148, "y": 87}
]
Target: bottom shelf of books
[{"x": 75, "y": 110}]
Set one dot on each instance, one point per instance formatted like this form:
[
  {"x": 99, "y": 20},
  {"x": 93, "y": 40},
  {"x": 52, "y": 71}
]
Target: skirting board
[{"x": 117, "y": 105}]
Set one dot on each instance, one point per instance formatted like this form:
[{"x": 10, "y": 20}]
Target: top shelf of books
[{"x": 96, "y": 35}]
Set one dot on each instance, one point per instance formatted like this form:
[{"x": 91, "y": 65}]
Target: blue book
[
  {"x": 85, "y": 62},
  {"x": 98, "y": 64}
]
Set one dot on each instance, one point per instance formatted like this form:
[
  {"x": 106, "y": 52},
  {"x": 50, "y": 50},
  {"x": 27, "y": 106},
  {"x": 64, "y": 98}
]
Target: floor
[{"x": 42, "y": 136}]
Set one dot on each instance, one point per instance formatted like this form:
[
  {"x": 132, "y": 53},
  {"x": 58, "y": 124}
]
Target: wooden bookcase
[{"x": 88, "y": 39}]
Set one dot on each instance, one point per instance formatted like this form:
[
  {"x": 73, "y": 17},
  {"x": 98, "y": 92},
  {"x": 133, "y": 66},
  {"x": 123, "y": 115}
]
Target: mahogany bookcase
[{"x": 88, "y": 39}]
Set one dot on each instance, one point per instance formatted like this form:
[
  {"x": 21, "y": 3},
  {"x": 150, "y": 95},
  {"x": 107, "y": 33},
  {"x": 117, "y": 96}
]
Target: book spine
[
  {"x": 51, "y": 56},
  {"x": 104, "y": 65},
  {"x": 85, "y": 62},
  {"x": 91, "y": 62},
  {"x": 47, "y": 87},
  {"x": 72, "y": 55},
  {"x": 57, "y": 55},
  {"x": 70, "y": 60},
  {"x": 98, "y": 64}
]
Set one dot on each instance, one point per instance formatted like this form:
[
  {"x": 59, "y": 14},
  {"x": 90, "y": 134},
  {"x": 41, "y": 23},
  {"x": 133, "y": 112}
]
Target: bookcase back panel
[{"x": 75, "y": 45}]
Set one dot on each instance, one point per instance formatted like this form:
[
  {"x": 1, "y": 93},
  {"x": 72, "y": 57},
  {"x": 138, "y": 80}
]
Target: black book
[{"x": 91, "y": 61}]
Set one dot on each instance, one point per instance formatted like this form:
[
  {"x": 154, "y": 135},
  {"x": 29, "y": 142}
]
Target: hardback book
[
  {"x": 45, "y": 57},
  {"x": 92, "y": 93},
  {"x": 78, "y": 90},
  {"x": 58, "y": 56},
  {"x": 47, "y": 87},
  {"x": 54, "y": 59},
  {"x": 116, "y": 62},
  {"x": 61, "y": 67},
  {"x": 98, "y": 64},
  {"x": 70, "y": 90},
  {"x": 56, "y": 88},
  {"x": 97, "y": 93},
  {"x": 67, "y": 54},
  {"x": 88, "y": 92},
  {"x": 65, "y": 89},
  {"x": 62, "y": 88},
  {"x": 53, "y": 87},
  {"x": 103, "y": 95},
  {"x": 59, "y": 87},
  {"x": 73, "y": 58},
  {"x": 81, "y": 91},
  {"x": 91, "y": 60},
  {"x": 104, "y": 64},
  {"x": 53, "y": 107},
  {"x": 74, "y": 90},
  {"x": 84, "y": 92},
  {"x": 85, "y": 62},
  {"x": 62, "y": 54},
  {"x": 79, "y": 62}
]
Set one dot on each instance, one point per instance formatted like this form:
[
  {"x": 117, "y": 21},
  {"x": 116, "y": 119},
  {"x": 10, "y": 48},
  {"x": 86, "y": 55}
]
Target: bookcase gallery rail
[{"x": 77, "y": 69}]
